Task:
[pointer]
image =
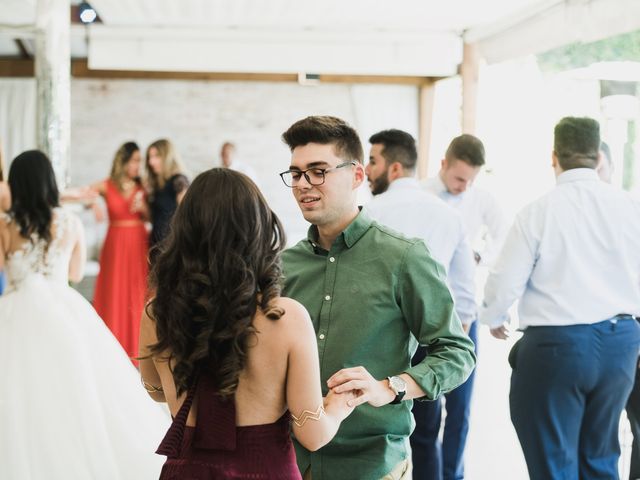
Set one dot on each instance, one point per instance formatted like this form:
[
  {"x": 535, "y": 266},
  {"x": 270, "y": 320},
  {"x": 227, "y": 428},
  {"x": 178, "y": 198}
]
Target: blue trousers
[
  {"x": 433, "y": 460},
  {"x": 568, "y": 388},
  {"x": 633, "y": 413}
]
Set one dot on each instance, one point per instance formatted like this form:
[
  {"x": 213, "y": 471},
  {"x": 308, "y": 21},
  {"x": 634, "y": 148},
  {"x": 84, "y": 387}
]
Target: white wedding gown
[{"x": 71, "y": 403}]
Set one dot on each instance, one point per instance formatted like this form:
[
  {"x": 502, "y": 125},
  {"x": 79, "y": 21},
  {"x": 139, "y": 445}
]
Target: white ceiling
[
  {"x": 429, "y": 15},
  {"x": 399, "y": 37}
]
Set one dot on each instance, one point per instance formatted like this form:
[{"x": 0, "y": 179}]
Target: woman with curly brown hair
[{"x": 229, "y": 355}]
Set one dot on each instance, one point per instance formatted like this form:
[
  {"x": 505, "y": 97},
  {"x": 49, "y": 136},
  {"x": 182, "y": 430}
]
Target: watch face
[{"x": 398, "y": 384}]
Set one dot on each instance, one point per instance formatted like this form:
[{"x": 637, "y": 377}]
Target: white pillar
[
  {"x": 469, "y": 71},
  {"x": 52, "y": 69}
]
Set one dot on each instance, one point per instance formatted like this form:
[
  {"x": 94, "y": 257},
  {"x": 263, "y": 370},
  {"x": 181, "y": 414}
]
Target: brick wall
[{"x": 198, "y": 116}]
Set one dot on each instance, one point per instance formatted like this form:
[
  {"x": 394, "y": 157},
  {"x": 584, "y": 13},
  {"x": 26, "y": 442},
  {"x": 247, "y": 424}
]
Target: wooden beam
[
  {"x": 24, "y": 52},
  {"x": 16, "y": 67},
  {"x": 425, "y": 126},
  {"x": 80, "y": 69},
  {"x": 11, "y": 67},
  {"x": 388, "y": 79},
  {"x": 469, "y": 71}
]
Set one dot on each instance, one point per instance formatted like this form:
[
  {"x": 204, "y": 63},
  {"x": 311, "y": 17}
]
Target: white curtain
[{"x": 17, "y": 116}]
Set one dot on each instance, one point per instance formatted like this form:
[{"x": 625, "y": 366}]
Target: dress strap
[{"x": 172, "y": 441}]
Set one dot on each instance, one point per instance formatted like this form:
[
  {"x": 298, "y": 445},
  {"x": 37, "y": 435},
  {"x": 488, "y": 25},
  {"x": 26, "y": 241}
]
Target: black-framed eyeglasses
[{"x": 313, "y": 176}]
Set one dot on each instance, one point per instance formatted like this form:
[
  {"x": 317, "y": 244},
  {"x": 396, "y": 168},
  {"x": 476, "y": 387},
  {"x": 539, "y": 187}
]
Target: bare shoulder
[
  {"x": 294, "y": 311},
  {"x": 71, "y": 223},
  {"x": 295, "y": 320},
  {"x": 101, "y": 186}
]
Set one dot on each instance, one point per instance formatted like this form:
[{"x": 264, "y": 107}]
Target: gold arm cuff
[
  {"x": 151, "y": 388},
  {"x": 308, "y": 415}
]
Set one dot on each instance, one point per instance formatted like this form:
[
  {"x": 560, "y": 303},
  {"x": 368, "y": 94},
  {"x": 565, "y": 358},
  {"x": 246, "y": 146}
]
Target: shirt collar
[
  {"x": 404, "y": 182},
  {"x": 350, "y": 235},
  {"x": 576, "y": 175},
  {"x": 439, "y": 184}
]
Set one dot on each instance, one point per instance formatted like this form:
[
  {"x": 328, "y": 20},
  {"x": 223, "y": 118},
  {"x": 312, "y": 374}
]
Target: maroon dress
[{"x": 217, "y": 449}]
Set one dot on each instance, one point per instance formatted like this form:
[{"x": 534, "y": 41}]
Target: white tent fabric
[{"x": 17, "y": 116}]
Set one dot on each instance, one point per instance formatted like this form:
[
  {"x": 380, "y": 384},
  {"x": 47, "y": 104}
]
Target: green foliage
[{"x": 578, "y": 55}]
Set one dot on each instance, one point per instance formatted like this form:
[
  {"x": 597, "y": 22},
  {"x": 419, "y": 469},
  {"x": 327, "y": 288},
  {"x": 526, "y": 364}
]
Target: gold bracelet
[
  {"x": 308, "y": 415},
  {"x": 151, "y": 388}
]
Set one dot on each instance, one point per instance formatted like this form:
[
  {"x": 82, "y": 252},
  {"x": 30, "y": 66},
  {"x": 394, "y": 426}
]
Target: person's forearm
[{"x": 314, "y": 429}]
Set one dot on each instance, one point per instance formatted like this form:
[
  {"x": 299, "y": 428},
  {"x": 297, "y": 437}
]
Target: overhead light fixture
[{"x": 87, "y": 13}]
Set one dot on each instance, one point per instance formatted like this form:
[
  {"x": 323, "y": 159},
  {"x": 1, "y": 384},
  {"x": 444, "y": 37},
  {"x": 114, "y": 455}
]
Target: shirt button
[
  {"x": 327, "y": 297},
  {"x": 321, "y": 336},
  {"x": 332, "y": 259}
]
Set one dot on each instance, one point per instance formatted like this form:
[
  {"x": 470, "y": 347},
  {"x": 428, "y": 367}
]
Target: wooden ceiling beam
[{"x": 12, "y": 67}]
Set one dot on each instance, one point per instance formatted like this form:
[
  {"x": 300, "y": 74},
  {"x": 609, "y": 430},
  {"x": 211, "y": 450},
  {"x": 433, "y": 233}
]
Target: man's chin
[{"x": 311, "y": 216}]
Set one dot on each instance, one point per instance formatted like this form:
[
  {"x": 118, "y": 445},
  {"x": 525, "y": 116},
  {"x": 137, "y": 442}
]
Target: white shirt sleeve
[
  {"x": 495, "y": 221},
  {"x": 462, "y": 281},
  {"x": 509, "y": 276}
]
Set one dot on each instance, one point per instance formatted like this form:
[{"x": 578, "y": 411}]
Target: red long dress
[{"x": 121, "y": 284}]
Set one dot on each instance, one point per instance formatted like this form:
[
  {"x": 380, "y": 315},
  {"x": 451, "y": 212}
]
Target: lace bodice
[{"x": 34, "y": 258}]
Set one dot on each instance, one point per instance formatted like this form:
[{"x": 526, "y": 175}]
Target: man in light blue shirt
[
  {"x": 402, "y": 204},
  {"x": 572, "y": 258}
]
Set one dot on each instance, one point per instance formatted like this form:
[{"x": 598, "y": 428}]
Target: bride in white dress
[{"x": 71, "y": 403}]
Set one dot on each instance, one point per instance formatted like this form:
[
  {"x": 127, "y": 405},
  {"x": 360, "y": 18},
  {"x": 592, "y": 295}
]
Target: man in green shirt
[{"x": 373, "y": 295}]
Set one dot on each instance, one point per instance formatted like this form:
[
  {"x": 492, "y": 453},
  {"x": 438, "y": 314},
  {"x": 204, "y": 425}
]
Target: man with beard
[{"x": 402, "y": 204}]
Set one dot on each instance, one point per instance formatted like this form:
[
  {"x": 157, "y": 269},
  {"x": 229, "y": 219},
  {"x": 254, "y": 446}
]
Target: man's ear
[
  {"x": 554, "y": 159},
  {"x": 359, "y": 175},
  {"x": 444, "y": 164},
  {"x": 395, "y": 170}
]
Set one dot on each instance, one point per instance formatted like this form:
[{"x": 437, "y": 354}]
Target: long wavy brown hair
[
  {"x": 219, "y": 264},
  {"x": 171, "y": 163}
]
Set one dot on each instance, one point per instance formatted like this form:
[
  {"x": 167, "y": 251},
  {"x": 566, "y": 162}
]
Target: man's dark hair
[
  {"x": 326, "y": 130},
  {"x": 398, "y": 146},
  {"x": 467, "y": 148},
  {"x": 576, "y": 142}
]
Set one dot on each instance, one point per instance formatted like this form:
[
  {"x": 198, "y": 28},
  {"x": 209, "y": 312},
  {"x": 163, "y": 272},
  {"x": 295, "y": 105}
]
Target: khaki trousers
[{"x": 402, "y": 471}]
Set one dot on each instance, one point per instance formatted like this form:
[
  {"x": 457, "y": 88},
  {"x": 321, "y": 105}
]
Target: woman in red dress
[{"x": 121, "y": 285}]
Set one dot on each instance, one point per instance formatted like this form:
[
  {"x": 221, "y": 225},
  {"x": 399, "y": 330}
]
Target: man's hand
[
  {"x": 366, "y": 388},
  {"x": 500, "y": 332}
]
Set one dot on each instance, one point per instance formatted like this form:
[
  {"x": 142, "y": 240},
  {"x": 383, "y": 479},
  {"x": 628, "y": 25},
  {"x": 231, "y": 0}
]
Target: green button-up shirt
[{"x": 370, "y": 297}]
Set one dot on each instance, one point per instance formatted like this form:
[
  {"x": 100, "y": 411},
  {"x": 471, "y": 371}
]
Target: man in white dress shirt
[
  {"x": 402, "y": 204},
  {"x": 481, "y": 213},
  {"x": 572, "y": 258},
  {"x": 486, "y": 227}
]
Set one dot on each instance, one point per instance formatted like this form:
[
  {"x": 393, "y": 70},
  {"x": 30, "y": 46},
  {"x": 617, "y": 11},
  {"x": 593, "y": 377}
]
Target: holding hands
[
  {"x": 339, "y": 404},
  {"x": 362, "y": 387}
]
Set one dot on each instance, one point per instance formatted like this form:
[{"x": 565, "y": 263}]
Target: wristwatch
[{"x": 399, "y": 387}]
